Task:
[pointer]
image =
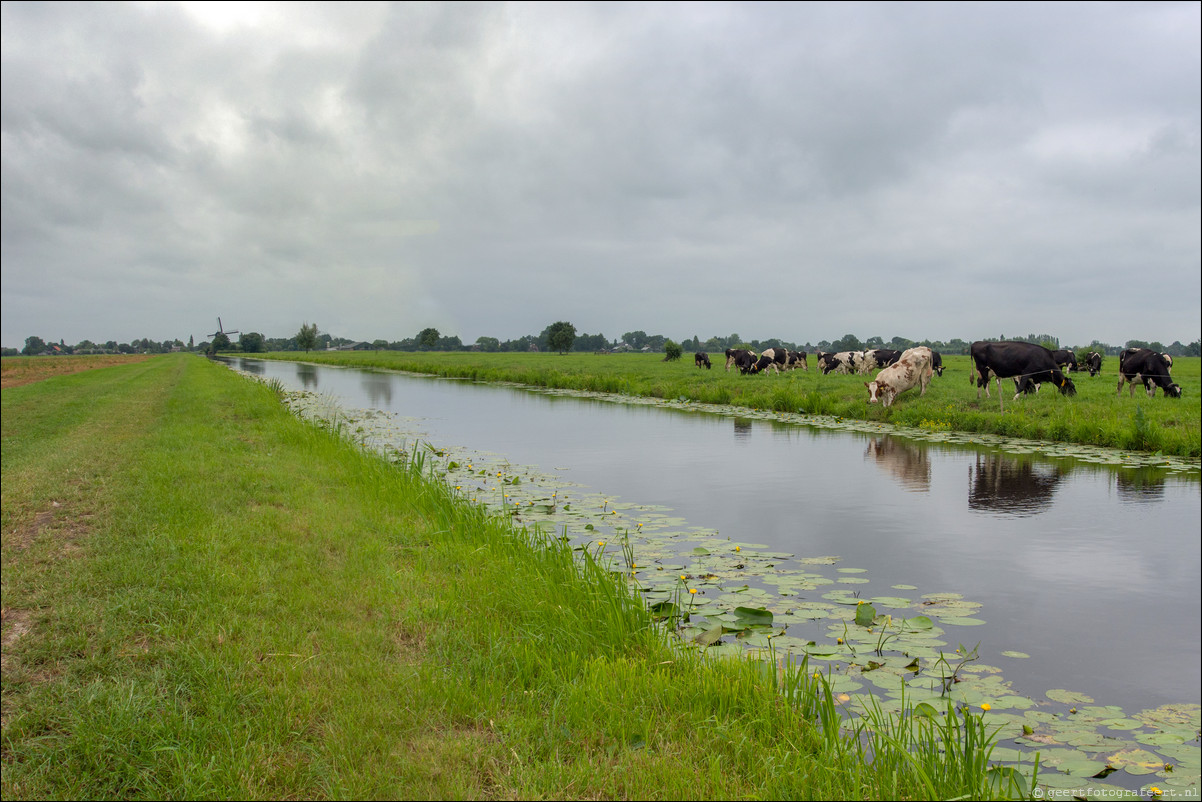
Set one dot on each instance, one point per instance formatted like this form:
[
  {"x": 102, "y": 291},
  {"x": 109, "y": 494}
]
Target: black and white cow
[
  {"x": 842, "y": 362},
  {"x": 775, "y": 358},
  {"x": 1065, "y": 358},
  {"x": 701, "y": 358},
  {"x": 937, "y": 363},
  {"x": 1093, "y": 363},
  {"x": 1142, "y": 364},
  {"x": 877, "y": 358},
  {"x": 1027, "y": 362},
  {"x": 740, "y": 358},
  {"x": 795, "y": 359}
]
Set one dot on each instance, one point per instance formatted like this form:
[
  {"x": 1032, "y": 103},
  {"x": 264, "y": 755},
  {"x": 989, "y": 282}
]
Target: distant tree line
[{"x": 558, "y": 337}]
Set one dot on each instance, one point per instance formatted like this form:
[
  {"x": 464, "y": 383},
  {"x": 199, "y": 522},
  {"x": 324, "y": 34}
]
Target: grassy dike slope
[{"x": 205, "y": 597}]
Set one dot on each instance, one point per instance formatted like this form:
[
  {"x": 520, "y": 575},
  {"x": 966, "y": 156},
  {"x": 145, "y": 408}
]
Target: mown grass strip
[
  {"x": 1095, "y": 416},
  {"x": 205, "y": 597}
]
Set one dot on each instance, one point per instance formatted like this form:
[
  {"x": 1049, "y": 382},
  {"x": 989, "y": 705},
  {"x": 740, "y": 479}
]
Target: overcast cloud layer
[{"x": 795, "y": 171}]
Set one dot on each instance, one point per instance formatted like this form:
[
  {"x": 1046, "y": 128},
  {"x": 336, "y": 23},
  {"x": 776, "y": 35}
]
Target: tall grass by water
[
  {"x": 1095, "y": 416},
  {"x": 206, "y": 597}
]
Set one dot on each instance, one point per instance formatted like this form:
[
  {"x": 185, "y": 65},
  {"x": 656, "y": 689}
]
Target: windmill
[{"x": 221, "y": 330}]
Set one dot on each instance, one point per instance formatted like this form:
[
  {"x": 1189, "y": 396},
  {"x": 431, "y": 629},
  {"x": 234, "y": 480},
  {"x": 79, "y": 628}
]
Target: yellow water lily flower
[{"x": 987, "y": 706}]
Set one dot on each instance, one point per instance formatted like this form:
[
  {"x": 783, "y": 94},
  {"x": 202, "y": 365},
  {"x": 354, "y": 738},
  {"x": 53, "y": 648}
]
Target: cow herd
[{"x": 1027, "y": 364}]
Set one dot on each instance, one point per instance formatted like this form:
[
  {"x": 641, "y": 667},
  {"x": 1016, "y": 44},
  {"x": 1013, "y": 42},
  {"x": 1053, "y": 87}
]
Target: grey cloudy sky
[{"x": 800, "y": 171}]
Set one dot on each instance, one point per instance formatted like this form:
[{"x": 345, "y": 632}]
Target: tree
[
  {"x": 560, "y": 336},
  {"x": 251, "y": 342},
  {"x": 848, "y": 342},
  {"x": 220, "y": 343},
  {"x": 306, "y": 338},
  {"x": 427, "y": 338},
  {"x": 488, "y": 344},
  {"x": 33, "y": 346},
  {"x": 671, "y": 351},
  {"x": 635, "y": 339}
]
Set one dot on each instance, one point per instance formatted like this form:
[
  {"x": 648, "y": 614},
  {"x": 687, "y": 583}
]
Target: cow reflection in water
[
  {"x": 999, "y": 483},
  {"x": 1140, "y": 486},
  {"x": 907, "y": 462}
]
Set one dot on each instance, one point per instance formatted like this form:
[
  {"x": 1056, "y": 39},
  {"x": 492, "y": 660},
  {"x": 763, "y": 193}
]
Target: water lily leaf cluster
[{"x": 888, "y": 652}]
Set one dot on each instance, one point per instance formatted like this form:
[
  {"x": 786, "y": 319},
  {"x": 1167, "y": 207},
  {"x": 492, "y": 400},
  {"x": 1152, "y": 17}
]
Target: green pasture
[
  {"x": 207, "y": 597},
  {"x": 1096, "y": 415}
]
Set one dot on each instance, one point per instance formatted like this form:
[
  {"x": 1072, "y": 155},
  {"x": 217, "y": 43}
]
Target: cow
[
  {"x": 796, "y": 358},
  {"x": 1094, "y": 363},
  {"x": 702, "y": 358},
  {"x": 740, "y": 357},
  {"x": 774, "y": 358},
  {"x": 937, "y": 363},
  {"x": 1149, "y": 367},
  {"x": 1065, "y": 356},
  {"x": 877, "y": 358},
  {"x": 1028, "y": 362},
  {"x": 842, "y": 362},
  {"x": 912, "y": 369},
  {"x": 1169, "y": 360}
]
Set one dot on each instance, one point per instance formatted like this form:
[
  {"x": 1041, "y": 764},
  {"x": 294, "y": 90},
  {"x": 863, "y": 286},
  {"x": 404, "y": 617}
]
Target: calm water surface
[{"x": 1092, "y": 571}]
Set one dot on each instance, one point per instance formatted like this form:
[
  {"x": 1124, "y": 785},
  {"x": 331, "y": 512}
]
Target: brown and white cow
[{"x": 912, "y": 369}]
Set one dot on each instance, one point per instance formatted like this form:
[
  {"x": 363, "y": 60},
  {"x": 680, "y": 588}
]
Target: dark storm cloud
[{"x": 786, "y": 170}]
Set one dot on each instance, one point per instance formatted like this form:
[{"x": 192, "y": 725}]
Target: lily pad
[{"x": 1069, "y": 697}]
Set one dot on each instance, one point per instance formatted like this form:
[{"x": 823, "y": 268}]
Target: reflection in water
[
  {"x": 251, "y": 366},
  {"x": 999, "y": 483},
  {"x": 307, "y": 375},
  {"x": 907, "y": 461},
  {"x": 1140, "y": 486},
  {"x": 378, "y": 387},
  {"x": 742, "y": 429}
]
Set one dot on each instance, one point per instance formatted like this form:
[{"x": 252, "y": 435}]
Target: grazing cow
[
  {"x": 1028, "y": 362},
  {"x": 796, "y": 358},
  {"x": 1169, "y": 360},
  {"x": 702, "y": 358},
  {"x": 739, "y": 357},
  {"x": 937, "y": 363},
  {"x": 1065, "y": 356},
  {"x": 1093, "y": 363},
  {"x": 877, "y": 358},
  {"x": 1141, "y": 364},
  {"x": 912, "y": 369},
  {"x": 842, "y": 362},
  {"x": 774, "y": 358}
]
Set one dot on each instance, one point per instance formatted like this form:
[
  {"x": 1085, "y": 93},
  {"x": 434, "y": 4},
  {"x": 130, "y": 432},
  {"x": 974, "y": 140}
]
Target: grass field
[
  {"x": 204, "y": 597},
  {"x": 1096, "y": 415},
  {"x": 18, "y": 370}
]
